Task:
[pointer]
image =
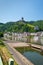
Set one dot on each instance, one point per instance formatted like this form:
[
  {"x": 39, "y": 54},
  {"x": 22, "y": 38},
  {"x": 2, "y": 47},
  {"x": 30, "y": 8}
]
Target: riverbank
[
  {"x": 31, "y": 54},
  {"x": 16, "y": 54},
  {"x": 20, "y": 59}
]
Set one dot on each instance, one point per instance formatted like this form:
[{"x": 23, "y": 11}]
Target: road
[{"x": 17, "y": 58}]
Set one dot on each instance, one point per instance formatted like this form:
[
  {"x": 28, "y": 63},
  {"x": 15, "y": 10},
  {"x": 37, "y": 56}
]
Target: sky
[{"x": 13, "y": 10}]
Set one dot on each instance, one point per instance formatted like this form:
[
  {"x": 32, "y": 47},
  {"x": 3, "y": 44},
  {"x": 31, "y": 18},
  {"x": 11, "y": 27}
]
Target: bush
[{"x": 1, "y": 43}]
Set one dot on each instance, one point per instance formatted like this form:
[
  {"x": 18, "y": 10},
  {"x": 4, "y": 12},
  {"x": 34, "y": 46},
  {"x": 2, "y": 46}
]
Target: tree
[{"x": 1, "y": 34}]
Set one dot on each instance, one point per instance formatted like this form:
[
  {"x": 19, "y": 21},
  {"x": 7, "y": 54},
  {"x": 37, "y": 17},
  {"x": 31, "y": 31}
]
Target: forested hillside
[
  {"x": 21, "y": 26},
  {"x": 38, "y": 23}
]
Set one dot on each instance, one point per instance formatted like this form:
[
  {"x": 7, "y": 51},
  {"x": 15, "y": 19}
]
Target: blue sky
[{"x": 13, "y": 10}]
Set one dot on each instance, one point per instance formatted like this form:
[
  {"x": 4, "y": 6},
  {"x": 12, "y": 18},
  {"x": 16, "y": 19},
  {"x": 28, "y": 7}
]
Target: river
[{"x": 33, "y": 55}]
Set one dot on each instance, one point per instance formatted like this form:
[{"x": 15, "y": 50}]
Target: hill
[
  {"x": 21, "y": 26},
  {"x": 38, "y": 23}
]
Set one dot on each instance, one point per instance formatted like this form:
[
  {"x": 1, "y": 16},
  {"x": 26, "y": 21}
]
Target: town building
[{"x": 25, "y": 37}]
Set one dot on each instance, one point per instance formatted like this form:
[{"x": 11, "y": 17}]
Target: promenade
[{"x": 19, "y": 58}]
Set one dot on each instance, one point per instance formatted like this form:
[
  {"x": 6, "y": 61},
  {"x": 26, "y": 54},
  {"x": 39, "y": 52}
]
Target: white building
[{"x": 37, "y": 37}]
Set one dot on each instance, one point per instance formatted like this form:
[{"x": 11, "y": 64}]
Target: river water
[{"x": 34, "y": 56}]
